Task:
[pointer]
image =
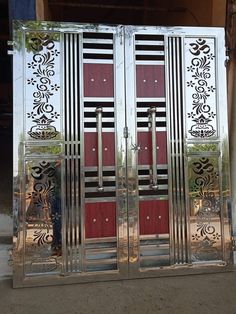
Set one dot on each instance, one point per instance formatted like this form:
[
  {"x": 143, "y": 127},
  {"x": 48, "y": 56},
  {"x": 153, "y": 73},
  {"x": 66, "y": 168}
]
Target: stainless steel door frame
[{"x": 45, "y": 146}]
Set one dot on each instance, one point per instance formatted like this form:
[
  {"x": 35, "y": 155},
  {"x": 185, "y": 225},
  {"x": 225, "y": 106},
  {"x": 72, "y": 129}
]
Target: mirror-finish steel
[{"x": 67, "y": 231}]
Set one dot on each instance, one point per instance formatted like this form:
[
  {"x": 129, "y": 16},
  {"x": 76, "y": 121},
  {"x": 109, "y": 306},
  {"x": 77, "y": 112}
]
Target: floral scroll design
[
  {"x": 41, "y": 199},
  {"x": 42, "y": 68},
  {"x": 202, "y": 86},
  {"x": 206, "y": 203},
  {"x": 43, "y": 214}
]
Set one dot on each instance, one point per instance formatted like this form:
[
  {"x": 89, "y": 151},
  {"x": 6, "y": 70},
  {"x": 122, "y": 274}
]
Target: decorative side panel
[
  {"x": 42, "y": 216},
  {"x": 42, "y": 86},
  {"x": 205, "y": 215},
  {"x": 200, "y": 83}
]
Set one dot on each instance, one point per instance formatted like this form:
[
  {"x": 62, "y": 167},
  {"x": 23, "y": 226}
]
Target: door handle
[
  {"x": 100, "y": 187},
  {"x": 152, "y": 120}
]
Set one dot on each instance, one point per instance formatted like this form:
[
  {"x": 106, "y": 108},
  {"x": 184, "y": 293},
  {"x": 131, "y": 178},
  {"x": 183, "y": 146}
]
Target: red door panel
[
  {"x": 100, "y": 220},
  {"x": 150, "y": 80},
  {"x": 91, "y": 149},
  {"x": 153, "y": 217},
  {"x": 98, "y": 80},
  {"x": 145, "y": 153}
]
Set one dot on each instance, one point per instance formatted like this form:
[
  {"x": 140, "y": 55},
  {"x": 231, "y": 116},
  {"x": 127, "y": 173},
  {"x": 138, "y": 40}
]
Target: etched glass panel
[
  {"x": 200, "y": 86},
  {"x": 205, "y": 212},
  {"x": 42, "y": 86},
  {"x": 43, "y": 216}
]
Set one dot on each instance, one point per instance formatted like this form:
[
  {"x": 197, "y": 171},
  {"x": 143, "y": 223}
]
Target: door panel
[
  {"x": 120, "y": 152},
  {"x": 145, "y": 144},
  {"x": 150, "y": 80},
  {"x": 91, "y": 149},
  {"x": 154, "y": 217},
  {"x": 100, "y": 220},
  {"x": 98, "y": 80}
]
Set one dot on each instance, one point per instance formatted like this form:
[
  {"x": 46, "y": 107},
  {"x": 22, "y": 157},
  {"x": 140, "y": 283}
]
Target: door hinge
[{"x": 125, "y": 132}]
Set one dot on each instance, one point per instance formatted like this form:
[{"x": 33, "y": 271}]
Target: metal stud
[
  {"x": 106, "y": 219},
  {"x": 94, "y": 219}
]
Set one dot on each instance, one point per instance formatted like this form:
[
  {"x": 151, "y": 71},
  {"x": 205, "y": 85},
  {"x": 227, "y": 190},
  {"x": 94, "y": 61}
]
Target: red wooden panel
[
  {"x": 100, "y": 220},
  {"x": 91, "y": 149},
  {"x": 145, "y": 153},
  {"x": 153, "y": 217},
  {"x": 150, "y": 80},
  {"x": 98, "y": 80}
]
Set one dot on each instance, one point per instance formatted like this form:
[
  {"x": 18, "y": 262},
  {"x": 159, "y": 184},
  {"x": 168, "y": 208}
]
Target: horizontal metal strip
[
  {"x": 104, "y": 119},
  {"x": 155, "y": 257},
  {"x": 99, "y": 61},
  {"x": 72, "y": 142},
  {"x": 150, "y": 99},
  {"x": 106, "y": 189},
  {"x": 95, "y": 179},
  {"x": 149, "y": 52},
  {"x": 101, "y": 261},
  {"x": 95, "y": 130},
  {"x": 149, "y": 62},
  {"x": 159, "y": 176},
  {"x": 105, "y": 168},
  {"x": 152, "y": 247},
  {"x": 100, "y": 240},
  {"x": 145, "y": 109},
  {"x": 104, "y": 109},
  {"x": 71, "y": 157},
  {"x": 98, "y": 51},
  {"x": 154, "y": 237},
  {"x": 145, "y": 119},
  {"x": 146, "y": 167},
  {"x": 153, "y": 197},
  {"x": 100, "y": 200},
  {"x": 97, "y": 41},
  {"x": 88, "y": 130},
  {"x": 98, "y": 99},
  {"x": 146, "y": 129},
  {"x": 149, "y": 42},
  {"x": 101, "y": 250},
  {"x": 147, "y": 187}
]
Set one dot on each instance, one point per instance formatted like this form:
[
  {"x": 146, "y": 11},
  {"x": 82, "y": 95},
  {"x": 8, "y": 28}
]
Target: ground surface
[{"x": 213, "y": 293}]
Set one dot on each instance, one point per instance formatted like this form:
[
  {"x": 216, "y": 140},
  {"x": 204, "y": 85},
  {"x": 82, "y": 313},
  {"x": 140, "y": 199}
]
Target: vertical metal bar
[
  {"x": 63, "y": 164},
  {"x": 185, "y": 172},
  {"x": 121, "y": 175},
  {"x": 171, "y": 108},
  {"x": 76, "y": 136},
  {"x": 181, "y": 135},
  {"x": 153, "y": 182},
  {"x": 100, "y": 163},
  {"x": 72, "y": 149},
  {"x": 82, "y": 172},
  {"x": 132, "y": 162},
  {"x": 169, "y": 115},
  {"x": 178, "y": 221},
  {"x": 68, "y": 185}
]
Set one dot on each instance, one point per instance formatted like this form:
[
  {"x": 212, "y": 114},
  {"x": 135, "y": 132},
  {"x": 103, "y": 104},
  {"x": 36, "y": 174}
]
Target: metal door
[{"x": 120, "y": 148}]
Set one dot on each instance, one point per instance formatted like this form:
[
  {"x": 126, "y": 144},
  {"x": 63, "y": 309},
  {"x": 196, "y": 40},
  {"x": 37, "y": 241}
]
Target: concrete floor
[{"x": 206, "y": 294}]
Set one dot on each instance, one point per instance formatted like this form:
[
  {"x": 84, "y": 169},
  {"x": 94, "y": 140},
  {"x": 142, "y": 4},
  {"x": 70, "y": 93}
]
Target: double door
[{"x": 119, "y": 149}]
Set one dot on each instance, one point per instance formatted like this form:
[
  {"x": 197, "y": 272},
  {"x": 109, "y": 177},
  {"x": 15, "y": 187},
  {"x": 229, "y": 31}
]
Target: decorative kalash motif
[
  {"x": 206, "y": 206},
  {"x": 200, "y": 85},
  {"x": 43, "y": 85}
]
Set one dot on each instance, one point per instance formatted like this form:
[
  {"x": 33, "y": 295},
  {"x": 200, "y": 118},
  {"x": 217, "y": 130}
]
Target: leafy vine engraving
[
  {"x": 41, "y": 82},
  {"x": 202, "y": 85},
  {"x": 206, "y": 203},
  {"x": 44, "y": 213}
]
